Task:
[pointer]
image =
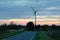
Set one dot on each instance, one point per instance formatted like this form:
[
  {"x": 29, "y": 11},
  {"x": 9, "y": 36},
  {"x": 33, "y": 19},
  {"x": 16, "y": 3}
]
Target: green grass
[
  {"x": 55, "y": 34},
  {"x": 41, "y": 36},
  {"x": 8, "y": 34}
]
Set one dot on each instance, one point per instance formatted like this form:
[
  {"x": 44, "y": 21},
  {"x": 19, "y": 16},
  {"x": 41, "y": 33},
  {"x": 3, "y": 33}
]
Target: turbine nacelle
[{"x": 34, "y": 11}]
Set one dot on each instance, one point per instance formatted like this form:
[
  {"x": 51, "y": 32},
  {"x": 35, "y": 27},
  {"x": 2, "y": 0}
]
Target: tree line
[{"x": 29, "y": 27}]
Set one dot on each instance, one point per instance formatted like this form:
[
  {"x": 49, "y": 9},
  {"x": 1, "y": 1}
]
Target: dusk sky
[{"x": 20, "y": 11}]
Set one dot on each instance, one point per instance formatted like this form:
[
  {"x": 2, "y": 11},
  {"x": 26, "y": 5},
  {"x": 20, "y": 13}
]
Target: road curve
[{"x": 22, "y": 36}]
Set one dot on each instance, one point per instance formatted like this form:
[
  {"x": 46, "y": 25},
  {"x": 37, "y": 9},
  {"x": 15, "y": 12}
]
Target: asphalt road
[{"x": 22, "y": 36}]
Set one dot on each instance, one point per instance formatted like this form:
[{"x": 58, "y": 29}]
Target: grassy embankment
[
  {"x": 55, "y": 34},
  {"x": 41, "y": 35},
  {"x": 10, "y": 33}
]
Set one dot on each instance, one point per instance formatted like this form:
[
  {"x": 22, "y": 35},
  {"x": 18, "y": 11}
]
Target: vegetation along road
[{"x": 41, "y": 35}]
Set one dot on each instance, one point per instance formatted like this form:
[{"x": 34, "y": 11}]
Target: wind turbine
[{"x": 34, "y": 14}]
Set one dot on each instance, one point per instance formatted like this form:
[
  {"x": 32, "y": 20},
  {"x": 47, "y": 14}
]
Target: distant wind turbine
[{"x": 34, "y": 14}]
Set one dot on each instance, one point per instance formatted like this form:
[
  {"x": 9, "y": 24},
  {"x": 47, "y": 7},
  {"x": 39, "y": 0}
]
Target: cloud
[
  {"x": 49, "y": 12},
  {"x": 12, "y": 3},
  {"x": 16, "y": 8},
  {"x": 4, "y": 3},
  {"x": 52, "y": 8}
]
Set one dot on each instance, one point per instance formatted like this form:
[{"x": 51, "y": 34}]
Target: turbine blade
[{"x": 32, "y": 8}]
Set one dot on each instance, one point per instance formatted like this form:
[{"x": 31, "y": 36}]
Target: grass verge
[
  {"x": 8, "y": 34},
  {"x": 41, "y": 35}
]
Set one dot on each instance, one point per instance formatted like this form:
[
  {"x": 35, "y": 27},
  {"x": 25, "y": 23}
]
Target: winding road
[{"x": 22, "y": 36}]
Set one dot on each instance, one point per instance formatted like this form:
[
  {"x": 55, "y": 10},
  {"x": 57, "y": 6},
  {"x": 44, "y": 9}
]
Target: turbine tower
[{"x": 34, "y": 14}]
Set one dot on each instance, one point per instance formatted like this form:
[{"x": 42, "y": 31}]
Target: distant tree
[
  {"x": 45, "y": 27},
  {"x": 11, "y": 23},
  {"x": 13, "y": 26},
  {"x": 58, "y": 27},
  {"x": 30, "y": 26},
  {"x": 38, "y": 27},
  {"x": 53, "y": 27},
  {"x": 3, "y": 28}
]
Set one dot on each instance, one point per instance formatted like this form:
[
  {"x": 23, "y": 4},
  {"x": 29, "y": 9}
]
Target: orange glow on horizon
[{"x": 25, "y": 21}]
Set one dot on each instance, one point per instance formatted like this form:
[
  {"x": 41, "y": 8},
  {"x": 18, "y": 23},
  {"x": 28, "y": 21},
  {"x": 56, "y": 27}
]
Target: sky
[{"x": 20, "y": 11}]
